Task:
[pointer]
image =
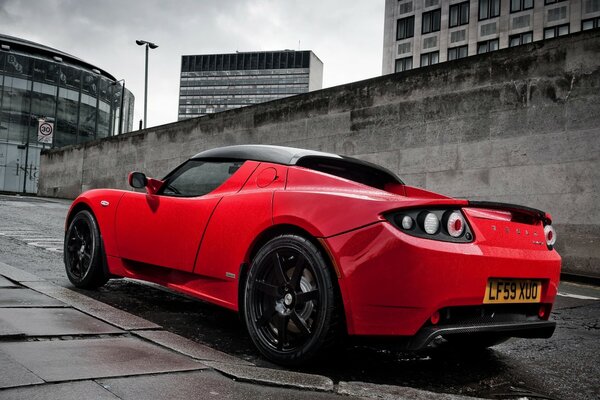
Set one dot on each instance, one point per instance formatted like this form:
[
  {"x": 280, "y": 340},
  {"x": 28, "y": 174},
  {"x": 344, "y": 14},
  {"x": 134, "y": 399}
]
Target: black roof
[
  {"x": 288, "y": 156},
  {"x": 266, "y": 153}
]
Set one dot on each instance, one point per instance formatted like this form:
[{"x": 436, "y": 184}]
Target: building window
[
  {"x": 403, "y": 64},
  {"x": 455, "y": 53},
  {"x": 521, "y": 38},
  {"x": 559, "y": 30},
  {"x": 592, "y": 23},
  {"x": 552, "y": 1},
  {"x": 489, "y": 9},
  {"x": 591, "y": 6},
  {"x": 520, "y": 5},
  {"x": 487, "y": 46},
  {"x": 459, "y": 14},
  {"x": 405, "y": 28},
  {"x": 430, "y": 58},
  {"x": 431, "y": 21}
]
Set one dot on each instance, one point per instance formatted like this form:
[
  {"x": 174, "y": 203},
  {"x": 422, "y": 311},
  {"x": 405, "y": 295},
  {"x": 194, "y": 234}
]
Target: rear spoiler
[{"x": 533, "y": 212}]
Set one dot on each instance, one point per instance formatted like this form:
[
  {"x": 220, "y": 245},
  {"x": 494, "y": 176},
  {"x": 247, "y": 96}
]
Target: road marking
[
  {"x": 34, "y": 239},
  {"x": 577, "y": 296}
]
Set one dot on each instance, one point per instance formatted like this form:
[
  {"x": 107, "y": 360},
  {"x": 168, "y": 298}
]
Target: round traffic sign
[{"x": 46, "y": 129}]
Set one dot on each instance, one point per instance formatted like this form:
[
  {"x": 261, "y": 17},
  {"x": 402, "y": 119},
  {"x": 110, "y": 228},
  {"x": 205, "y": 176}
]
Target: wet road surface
[{"x": 565, "y": 366}]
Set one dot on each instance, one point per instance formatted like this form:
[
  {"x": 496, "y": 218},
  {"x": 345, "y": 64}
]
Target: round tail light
[
  {"x": 455, "y": 224},
  {"x": 435, "y": 318},
  {"x": 431, "y": 224},
  {"x": 407, "y": 222},
  {"x": 550, "y": 235}
]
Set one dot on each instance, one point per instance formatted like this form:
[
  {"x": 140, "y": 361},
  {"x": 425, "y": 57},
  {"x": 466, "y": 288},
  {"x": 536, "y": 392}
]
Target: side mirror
[{"x": 137, "y": 180}]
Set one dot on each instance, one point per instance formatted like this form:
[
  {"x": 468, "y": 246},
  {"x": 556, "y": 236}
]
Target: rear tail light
[
  {"x": 543, "y": 312},
  {"x": 431, "y": 223},
  {"x": 550, "y": 235},
  {"x": 455, "y": 224},
  {"x": 407, "y": 222},
  {"x": 437, "y": 224},
  {"x": 435, "y": 318}
]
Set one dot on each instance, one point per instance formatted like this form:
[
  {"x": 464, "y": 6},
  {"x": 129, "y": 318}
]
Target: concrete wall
[{"x": 520, "y": 125}]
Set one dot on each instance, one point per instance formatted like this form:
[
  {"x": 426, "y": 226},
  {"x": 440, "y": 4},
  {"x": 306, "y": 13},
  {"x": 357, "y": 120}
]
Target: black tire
[
  {"x": 83, "y": 252},
  {"x": 290, "y": 307}
]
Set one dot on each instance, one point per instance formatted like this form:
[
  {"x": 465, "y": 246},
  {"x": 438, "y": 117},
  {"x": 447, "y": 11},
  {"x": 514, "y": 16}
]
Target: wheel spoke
[
  {"x": 268, "y": 289},
  {"x": 79, "y": 236},
  {"x": 279, "y": 272},
  {"x": 266, "y": 316},
  {"x": 298, "y": 269},
  {"x": 282, "y": 322},
  {"x": 300, "y": 324},
  {"x": 303, "y": 297}
]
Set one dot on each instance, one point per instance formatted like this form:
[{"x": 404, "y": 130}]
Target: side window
[{"x": 197, "y": 177}]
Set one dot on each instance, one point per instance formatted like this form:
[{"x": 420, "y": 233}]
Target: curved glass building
[{"x": 39, "y": 83}]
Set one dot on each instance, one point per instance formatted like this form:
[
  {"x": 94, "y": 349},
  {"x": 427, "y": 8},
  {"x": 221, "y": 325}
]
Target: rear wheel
[
  {"x": 289, "y": 301},
  {"x": 83, "y": 252}
]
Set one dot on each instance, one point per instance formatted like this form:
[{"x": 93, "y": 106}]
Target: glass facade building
[
  {"x": 217, "y": 82},
  {"x": 40, "y": 83}
]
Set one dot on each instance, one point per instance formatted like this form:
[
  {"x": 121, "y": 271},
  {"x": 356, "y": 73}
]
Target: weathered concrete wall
[{"x": 520, "y": 125}]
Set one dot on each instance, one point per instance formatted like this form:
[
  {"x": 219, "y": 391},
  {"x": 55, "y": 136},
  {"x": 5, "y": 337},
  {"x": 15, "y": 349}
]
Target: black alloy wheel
[
  {"x": 289, "y": 302},
  {"x": 83, "y": 253}
]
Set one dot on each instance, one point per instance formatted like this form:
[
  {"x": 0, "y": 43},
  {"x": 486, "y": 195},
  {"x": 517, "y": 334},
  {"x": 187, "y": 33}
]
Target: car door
[{"x": 165, "y": 229}]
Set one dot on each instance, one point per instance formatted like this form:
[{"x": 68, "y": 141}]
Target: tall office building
[
  {"x": 418, "y": 33},
  {"x": 217, "y": 82}
]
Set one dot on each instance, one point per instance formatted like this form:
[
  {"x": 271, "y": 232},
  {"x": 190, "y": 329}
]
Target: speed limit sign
[{"x": 45, "y": 131}]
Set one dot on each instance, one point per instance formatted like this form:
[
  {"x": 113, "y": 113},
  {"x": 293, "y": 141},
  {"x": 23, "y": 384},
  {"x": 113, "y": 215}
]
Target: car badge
[{"x": 104, "y": 203}]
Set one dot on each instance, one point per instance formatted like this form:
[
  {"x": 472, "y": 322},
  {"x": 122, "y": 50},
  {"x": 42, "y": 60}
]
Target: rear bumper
[
  {"x": 392, "y": 283},
  {"x": 541, "y": 329}
]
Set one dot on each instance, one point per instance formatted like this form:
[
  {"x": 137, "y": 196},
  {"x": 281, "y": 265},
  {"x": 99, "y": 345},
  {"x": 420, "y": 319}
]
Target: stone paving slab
[
  {"x": 188, "y": 347},
  {"x": 17, "y": 275},
  {"x": 5, "y": 283},
  {"x": 62, "y": 360},
  {"x": 26, "y": 298},
  {"x": 8, "y": 330},
  {"x": 53, "y": 322},
  {"x": 60, "y": 391},
  {"x": 95, "y": 308},
  {"x": 274, "y": 377},
  {"x": 387, "y": 392},
  {"x": 202, "y": 385},
  {"x": 13, "y": 374}
]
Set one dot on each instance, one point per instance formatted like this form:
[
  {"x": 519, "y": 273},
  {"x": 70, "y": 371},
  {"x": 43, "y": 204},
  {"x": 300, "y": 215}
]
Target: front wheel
[
  {"x": 83, "y": 253},
  {"x": 289, "y": 301}
]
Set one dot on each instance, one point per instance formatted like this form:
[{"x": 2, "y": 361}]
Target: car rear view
[{"x": 474, "y": 274}]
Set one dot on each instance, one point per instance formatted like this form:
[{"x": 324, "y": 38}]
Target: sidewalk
[{"x": 58, "y": 344}]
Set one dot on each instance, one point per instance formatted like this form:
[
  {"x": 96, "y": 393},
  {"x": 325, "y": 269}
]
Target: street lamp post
[
  {"x": 152, "y": 46},
  {"x": 122, "y": 99}
]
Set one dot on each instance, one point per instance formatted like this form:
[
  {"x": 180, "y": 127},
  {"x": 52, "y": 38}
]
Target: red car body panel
[
  {"x": 390, "y": 282},
  {"x": 384, "y": 272}
]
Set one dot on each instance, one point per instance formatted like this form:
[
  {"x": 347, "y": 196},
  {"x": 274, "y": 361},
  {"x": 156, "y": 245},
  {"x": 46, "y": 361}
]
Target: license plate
[{"x": 512, "y": 291}]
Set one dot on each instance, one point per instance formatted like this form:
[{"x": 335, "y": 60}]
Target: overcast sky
[{"x": 346, "y": 35}]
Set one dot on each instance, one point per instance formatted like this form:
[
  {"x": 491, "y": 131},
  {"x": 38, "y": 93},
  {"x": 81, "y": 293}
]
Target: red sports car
[{"x": 307, "y": 245}]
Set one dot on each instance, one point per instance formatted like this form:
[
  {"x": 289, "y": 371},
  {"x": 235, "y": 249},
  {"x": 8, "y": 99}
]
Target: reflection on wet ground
[{"x": 497, "y": 373}]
